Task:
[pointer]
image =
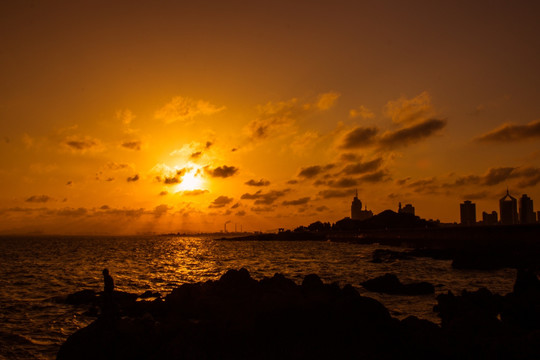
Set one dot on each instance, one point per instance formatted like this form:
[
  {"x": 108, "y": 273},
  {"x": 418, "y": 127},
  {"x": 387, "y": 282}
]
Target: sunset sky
[{"x": 124, "y": 117}]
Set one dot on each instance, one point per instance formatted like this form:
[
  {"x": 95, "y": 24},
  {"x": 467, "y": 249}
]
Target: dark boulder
[
  {"x": 81, "y": 297},
  {"x": 522, "y": 306},
  {"x": 526, "y": 282},
  {"x": 422, "y": 339},
  {"x": 312, "y": 283}
]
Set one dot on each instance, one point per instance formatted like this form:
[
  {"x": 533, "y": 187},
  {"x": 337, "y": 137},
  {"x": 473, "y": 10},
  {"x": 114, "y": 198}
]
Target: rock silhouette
[{"x": 237, "y": 317}]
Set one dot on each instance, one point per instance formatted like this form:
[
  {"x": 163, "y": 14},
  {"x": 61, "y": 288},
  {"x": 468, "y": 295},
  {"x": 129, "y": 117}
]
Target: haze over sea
[{"x": 38, "y": 272}]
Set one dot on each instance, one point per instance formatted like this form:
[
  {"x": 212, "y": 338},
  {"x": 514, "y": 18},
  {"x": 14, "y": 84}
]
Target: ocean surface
[{"x": 37, "y": 272}]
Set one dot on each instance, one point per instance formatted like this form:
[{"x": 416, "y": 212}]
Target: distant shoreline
[{"x": 438, "y": 236}]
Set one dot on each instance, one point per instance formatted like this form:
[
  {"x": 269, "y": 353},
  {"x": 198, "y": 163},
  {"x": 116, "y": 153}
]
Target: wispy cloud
[
  {"x": 220, "y": 202},
  {"x": 161, "y": 210},
  {"x": 327, "y": 100},
  {"x": 375, "y": 177},
  {"x": 222, "y": 171},
  {"x": 275, "y": 117},
  {"x": 82, "y": 144},
  {"x": 111, "y": 165},
  {"x": 297, "y": 202},
  {"x": 416, "y": 118},
  {"x": 328, "y": 194},
  {"x": 39, "y": 199},
  {"x": 362, "y": 167},
  {"x": 184, "y": 109},
  {"x": 362, "y": 112},
  {"x": 265, "y": 198},
  {"x": 411, "y": 134},
  {"x": 195, "y": 192},
  {"x": 343, "y": 183},
  {"x": 405, "y": 110},
  {"x": 512, "y": 133},
  {"x": 360, "y": 137},
  {"x": 132, "y": 145},
  {"x": 261, "y": 182},
  {"x": 312, "y": 171}
]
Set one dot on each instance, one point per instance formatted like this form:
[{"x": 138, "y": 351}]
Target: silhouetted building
[
  {"x": 526, "y": 212},
  {"x": 356, "y": 210},
  {"x": 508, "y": 209},
  {"x": 408, "y": 209},
  {"x": 538, "y": 216},
  {"x": 490, "y": 219},
  {"x": 468, "y": 213}
]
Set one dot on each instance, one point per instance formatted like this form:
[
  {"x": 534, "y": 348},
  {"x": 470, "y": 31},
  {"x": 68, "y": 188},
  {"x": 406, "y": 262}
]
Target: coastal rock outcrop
[
  {"x": 238, "y": 317},
  {"x": 485, "y": 325}
]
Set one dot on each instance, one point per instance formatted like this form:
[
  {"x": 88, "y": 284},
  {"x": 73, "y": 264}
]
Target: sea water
[{"x": 36, "y": 273}]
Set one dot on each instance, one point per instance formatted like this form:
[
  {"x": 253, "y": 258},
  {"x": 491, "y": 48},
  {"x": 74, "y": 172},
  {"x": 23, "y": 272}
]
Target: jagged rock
[
  {"x": 422, "y": 338},
  {"x": 237, "y": 317},
  {"x": 390, "y": 284},
  {"x": 86, "y": 296},
  {"x": 522, "y": 306}
]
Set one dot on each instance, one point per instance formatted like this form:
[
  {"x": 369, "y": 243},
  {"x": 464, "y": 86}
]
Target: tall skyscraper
[
  {"x": 508, "y": 209},
  {"x": 526, "y": 212},
  {"x": 468, "y": 213}
]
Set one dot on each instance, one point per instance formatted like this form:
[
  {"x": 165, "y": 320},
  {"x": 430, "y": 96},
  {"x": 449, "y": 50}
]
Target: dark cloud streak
[{"x": 512, "y": 133}]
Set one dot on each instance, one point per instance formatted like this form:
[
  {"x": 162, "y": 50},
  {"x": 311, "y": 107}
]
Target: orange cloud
[
  {"x": 512, "y": 133},
  {"x": 362, "y": 112},
  {"x": 222, "y": 171},
  {"x": 132, "y": 145},
  {"x": 261, "y": 182},
  {"x": 82, "y": 144},
  {"x": 406, "y": 110},
  {"x": 220, "y": 202},
  {"x": 277, "y": 117},
  {"x": 184, "y": 109},
  {"x": 327, "y": 100},
  {"x": 39, "y": 199}
]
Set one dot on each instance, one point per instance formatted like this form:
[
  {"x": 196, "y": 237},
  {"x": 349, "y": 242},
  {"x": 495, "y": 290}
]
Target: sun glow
[{"x": 192, "y": 180}]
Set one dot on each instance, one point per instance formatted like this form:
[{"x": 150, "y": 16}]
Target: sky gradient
[{"x": 124, "y": 117}]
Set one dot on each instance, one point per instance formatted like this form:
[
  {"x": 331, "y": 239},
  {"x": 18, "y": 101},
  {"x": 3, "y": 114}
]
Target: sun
[{"x": 192, "y": 180}]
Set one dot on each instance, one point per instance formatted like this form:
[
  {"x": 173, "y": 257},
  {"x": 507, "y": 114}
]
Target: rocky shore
[{"x": 238, "y": 317}]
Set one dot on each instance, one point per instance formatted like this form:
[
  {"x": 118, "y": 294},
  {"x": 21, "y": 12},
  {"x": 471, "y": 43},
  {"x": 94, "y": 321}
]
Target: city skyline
[{"x": 123, "y": 117}]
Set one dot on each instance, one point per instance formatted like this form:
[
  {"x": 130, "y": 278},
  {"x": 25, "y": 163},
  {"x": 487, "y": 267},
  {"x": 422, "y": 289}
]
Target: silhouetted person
[{"x": 108, "y": 288}]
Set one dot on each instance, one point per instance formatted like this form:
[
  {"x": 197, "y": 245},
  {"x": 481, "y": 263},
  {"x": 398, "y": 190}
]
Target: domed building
[{"x": 356, "y": 210}]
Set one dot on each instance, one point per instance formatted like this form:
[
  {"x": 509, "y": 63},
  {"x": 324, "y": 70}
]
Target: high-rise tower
[
  {"x": 356, "y": 207},
  {"x": 468, "y": 213},
  {"x": 508, "y": 209},
  {"x": 526, "y": 212}
]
